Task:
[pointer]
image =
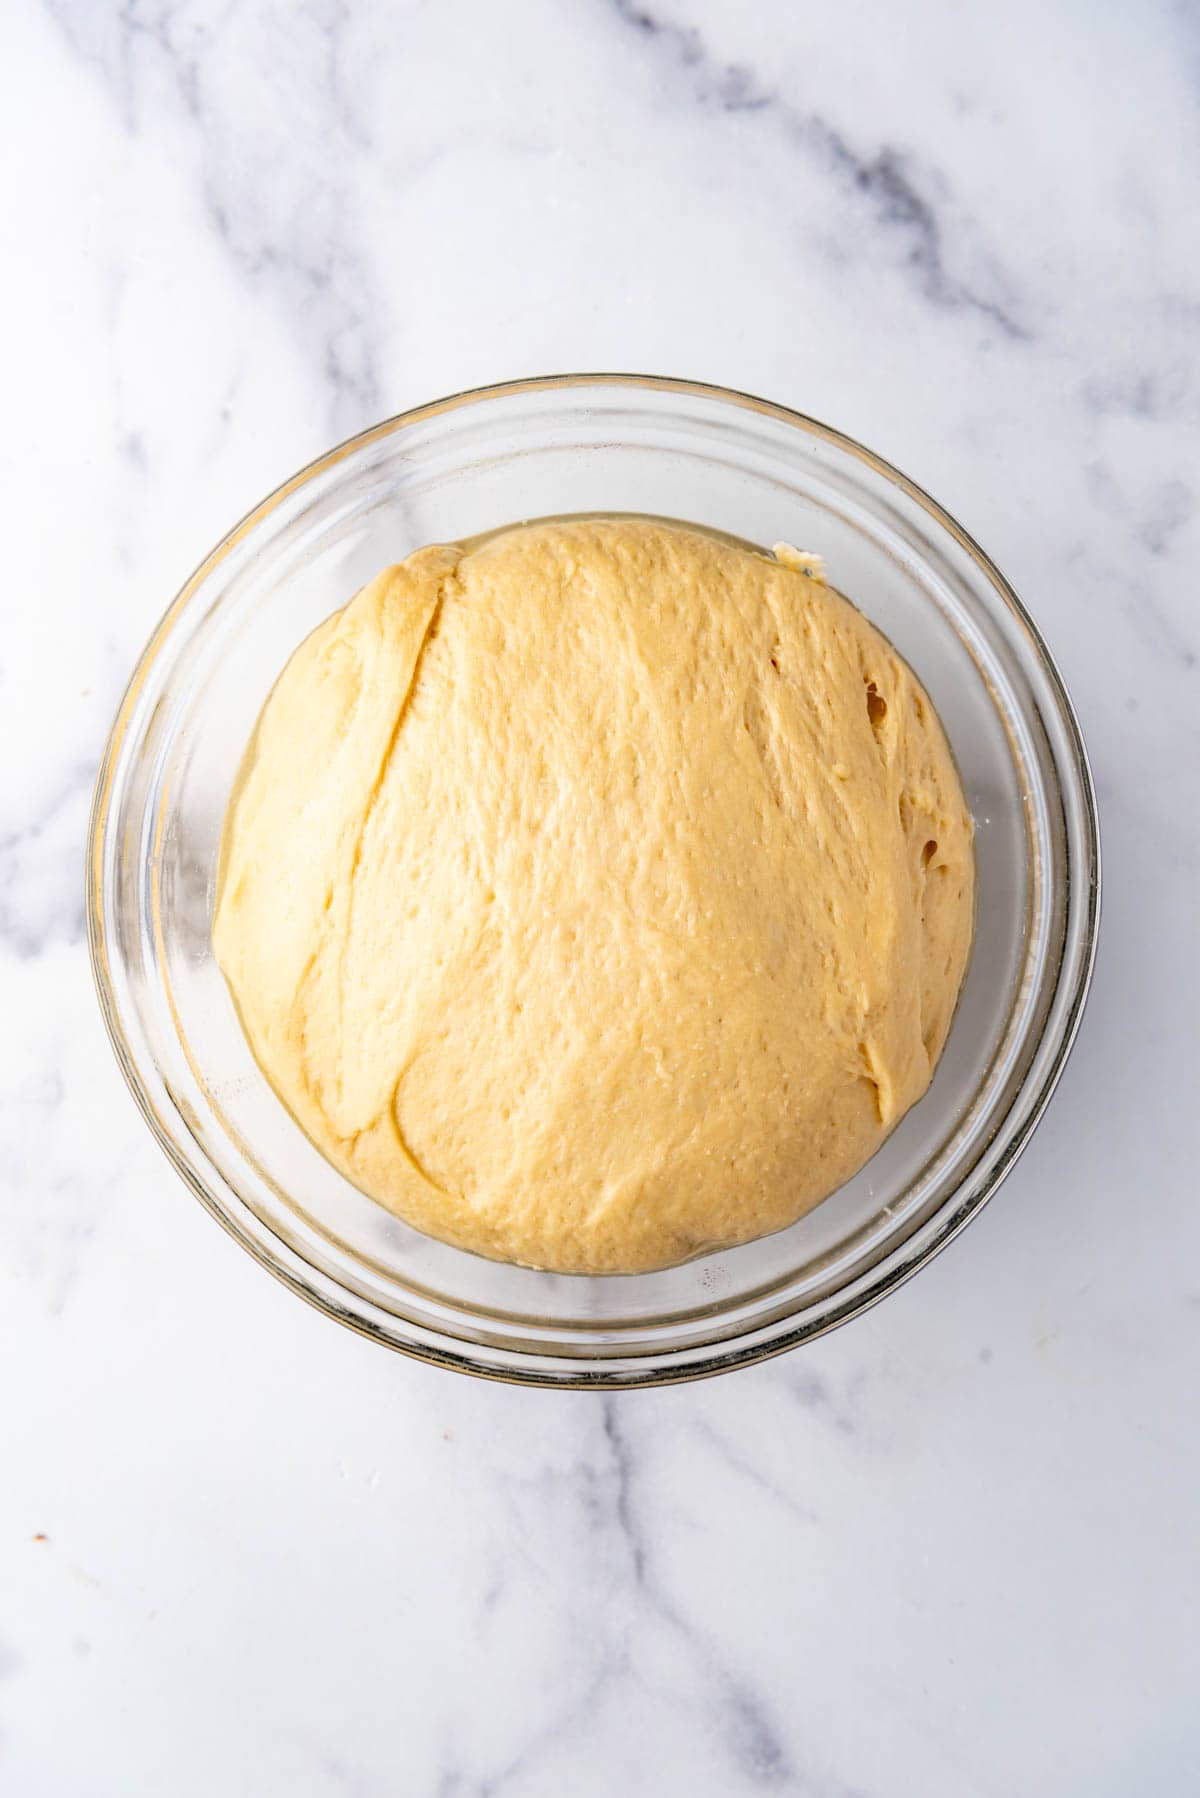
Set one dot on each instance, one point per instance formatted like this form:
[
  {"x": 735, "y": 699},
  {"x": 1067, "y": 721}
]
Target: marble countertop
[{"x": 949, "y": 1551}]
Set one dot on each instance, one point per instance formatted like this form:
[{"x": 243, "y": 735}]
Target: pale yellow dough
[{"x": 598, "y": 895}]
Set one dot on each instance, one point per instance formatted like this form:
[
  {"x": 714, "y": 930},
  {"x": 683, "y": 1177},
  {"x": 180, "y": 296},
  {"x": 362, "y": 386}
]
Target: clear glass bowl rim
[{"x": 278, "y": 1257}]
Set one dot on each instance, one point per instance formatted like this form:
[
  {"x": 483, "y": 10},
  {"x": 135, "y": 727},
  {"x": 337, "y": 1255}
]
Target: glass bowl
[{"x": 538, "y": 448}]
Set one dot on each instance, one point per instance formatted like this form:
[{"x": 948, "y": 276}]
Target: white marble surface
[{"x": 948, "y": 1552}]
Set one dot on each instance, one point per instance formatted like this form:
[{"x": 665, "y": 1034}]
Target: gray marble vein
[
  {"x": 899, "y": 198},
  {"x": 41, "y": 884},
  {"x": 298, "y": 248}
]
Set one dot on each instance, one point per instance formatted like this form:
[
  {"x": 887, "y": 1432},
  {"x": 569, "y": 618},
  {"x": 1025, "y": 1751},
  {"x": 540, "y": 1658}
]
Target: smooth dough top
[{"x": 598, "y": 895}]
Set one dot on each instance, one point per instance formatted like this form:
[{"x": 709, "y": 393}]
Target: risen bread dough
[{"x": 598, "y": 895}]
